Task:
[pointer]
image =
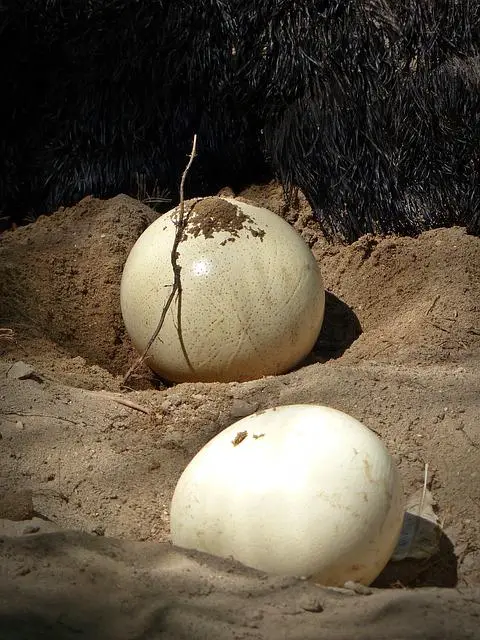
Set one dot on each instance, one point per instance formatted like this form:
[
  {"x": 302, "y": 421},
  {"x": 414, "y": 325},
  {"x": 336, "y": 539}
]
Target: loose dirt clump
[
  {"x": 209, "y": 216},
  {"x": 88, "y": 467}
]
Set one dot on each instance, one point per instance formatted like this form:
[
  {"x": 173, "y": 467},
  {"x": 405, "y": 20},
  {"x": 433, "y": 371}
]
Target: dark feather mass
[{"x": 370, "y": 107}]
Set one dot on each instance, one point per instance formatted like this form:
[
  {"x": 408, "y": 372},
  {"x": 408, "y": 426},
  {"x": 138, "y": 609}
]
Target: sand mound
[{"x": 60, "y": 276}]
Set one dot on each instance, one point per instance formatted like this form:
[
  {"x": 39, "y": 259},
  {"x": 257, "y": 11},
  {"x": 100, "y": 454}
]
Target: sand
[{"x": 88, "y": 467}]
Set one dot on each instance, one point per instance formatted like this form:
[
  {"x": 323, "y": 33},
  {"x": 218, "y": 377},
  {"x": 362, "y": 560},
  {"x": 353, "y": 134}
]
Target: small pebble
[
  {"x": 20, "y": 371},
  {"x": 30, "y": 529},
  {"x": 99, "y": 531},
  {"x": 242, "y": 408},
  {"x": 312, "y": 604},
  {"x": 361, "y": 589}
]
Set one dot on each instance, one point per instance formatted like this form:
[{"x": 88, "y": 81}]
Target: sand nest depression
[{"x": 88, "y": 467}]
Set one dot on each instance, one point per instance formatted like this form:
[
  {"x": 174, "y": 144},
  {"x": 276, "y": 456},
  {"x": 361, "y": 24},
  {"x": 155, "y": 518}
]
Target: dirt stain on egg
[
  {"x": 367, "y": 468},
  {"x": 240, "y": 437}
]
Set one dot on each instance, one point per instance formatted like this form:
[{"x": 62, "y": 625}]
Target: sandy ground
[{"x": 88, "y": 467}]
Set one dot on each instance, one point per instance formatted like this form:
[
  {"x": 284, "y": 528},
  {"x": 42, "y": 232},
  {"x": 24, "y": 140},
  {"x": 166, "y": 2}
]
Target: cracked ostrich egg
[
  {"x": 251, "y": 302},
  {"x": 300, "y": 490}
]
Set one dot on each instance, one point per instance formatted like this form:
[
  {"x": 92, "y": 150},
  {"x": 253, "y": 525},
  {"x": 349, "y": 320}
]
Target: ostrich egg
[
  {"x": 251, "y": 302},
  {"x": 301, "y": 490}
]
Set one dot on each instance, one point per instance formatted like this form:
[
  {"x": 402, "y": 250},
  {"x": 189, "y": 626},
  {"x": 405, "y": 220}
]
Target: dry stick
[
  {"x": 125, "y": 402},
  {"x": 430, "y": 308},
  {"x": 177, "y": 287},
  {"x": 21, "y": 414},
  {"x": 424, "y": 492}
]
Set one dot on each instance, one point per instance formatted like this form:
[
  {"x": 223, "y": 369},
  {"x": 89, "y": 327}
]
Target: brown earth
[{"x": 79, "y": 451}]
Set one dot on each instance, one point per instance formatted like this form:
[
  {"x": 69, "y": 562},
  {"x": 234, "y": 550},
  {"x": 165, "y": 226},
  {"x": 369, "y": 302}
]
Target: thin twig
[
  {"x": 424, "y": 492},
  {"x": 177, "y": 287},
  {"x": 124, "y": 401},
  {"x": 36, "y": 415},
  {"x": 437, "y": 326},
  {"x": 430, "y": 308}
]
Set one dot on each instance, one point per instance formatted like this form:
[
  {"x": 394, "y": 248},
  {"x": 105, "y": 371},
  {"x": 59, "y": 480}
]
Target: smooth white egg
[
  {"x": 252, "y": 299},
  {"x": 302, "y": 490}
]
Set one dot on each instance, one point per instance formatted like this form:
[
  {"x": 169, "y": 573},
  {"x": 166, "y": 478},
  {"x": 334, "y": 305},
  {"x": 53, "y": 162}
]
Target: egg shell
[
  {"x": 301, "y": 490},
  {"x": 252, "y": 299}
]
